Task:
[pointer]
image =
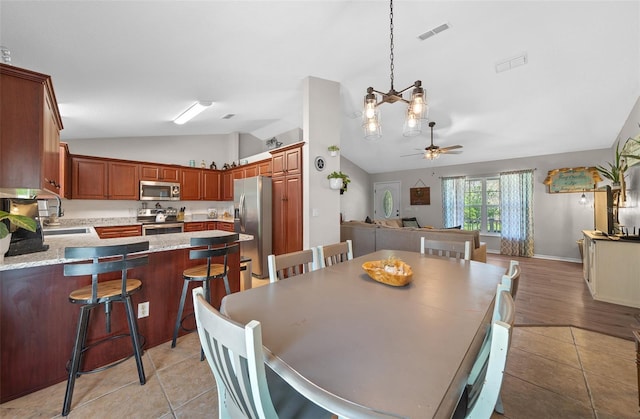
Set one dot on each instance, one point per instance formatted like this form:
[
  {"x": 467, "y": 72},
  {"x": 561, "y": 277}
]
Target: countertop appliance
[
  {"x": 159, "y": 191},
  {"x": 149, "y": 217},
  {"x": 252, "y": 206},
  {"x": 23, "y": 241}
]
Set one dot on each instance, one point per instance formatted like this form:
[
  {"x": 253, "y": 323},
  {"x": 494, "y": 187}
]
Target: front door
[{"x": 386, "y": 200}]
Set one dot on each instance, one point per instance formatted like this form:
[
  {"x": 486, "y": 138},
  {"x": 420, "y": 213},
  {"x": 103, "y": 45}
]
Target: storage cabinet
[
  {"x": 65, "y": 171},
  {"x": 194, "y": 226},
  {"x": 611, "y": 269},
  {"x": 264, "y": 168},
  {"x": 227, "y": 185},
  {"x": 191, "y": 184},
  {"x": 210, "y": 185},
  {"x": 119, "y": 231},
  {"x": 159, "y": 173},
  {"x": 225, "y": 226},
  {"x": 97, "y": 178},
  {"x": 29, "y": 120},
  {"x": 287, "y": 200}
]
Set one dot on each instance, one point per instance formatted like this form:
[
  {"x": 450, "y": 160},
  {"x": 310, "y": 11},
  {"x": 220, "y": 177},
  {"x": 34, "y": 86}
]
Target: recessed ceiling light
[
  {"x": 192, "y": 111},
  {"x": 434, "y": 31}
]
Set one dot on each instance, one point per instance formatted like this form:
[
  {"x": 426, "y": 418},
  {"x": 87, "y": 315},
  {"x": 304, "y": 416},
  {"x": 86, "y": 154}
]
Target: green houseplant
[
  {"x": 615, "y": 171},
  {"x": 19, "y": 220},
  {"x": 341, "y": 182},
  {"x": 333, "y": 150}
]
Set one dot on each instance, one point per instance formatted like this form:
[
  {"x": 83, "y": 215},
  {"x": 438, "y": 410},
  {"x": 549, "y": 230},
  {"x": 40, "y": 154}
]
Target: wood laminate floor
[{"x": 554, "y": 293}]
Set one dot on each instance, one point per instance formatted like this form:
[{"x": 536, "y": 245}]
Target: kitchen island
[{"x": 37, "y": 321}]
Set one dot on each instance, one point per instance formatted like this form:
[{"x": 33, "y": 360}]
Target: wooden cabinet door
[
  {"x": 159, "y": 173},
  {"x": 65, "y": 171},
  {"x": 278, "y": 164},
  {"x": 169, "y": 174},
  {"x": 227, "y": 185},
  {"x": 123, "y": 181},
  {"x": 119, "y": 231},
  {"x": 89, "y": 178},
  {"x": 191, "y": 185},
  {"x": 211, "y": 185},
  {"x": 264, "y": 168},
  {"x": 251, "y": 171},
  {"x": 293, "y": 217},
  {"x": 51, "y": 148},
  {"x": 211, "y": 225},
  {"x": 279, "y": 226},
  {"x": 224, "y": 226},
  {"x": 194, "y": 226},
  {"x": 293, "y": 159}
]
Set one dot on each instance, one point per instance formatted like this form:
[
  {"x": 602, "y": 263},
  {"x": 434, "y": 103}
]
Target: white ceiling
[{"x": 127, "y": 69}]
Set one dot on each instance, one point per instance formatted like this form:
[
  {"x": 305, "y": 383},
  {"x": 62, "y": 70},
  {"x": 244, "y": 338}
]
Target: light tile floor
[{"x": 552, "y": 372}]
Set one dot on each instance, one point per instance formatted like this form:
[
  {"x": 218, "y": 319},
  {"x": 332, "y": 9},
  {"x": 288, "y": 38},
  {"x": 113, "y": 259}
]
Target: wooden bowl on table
[{"x": 392, "y": 271}]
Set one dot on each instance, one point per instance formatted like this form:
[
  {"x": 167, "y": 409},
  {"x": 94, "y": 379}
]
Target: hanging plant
[
  {"x": 333, "y": 150},
  {"x": 338, "y": 180}
]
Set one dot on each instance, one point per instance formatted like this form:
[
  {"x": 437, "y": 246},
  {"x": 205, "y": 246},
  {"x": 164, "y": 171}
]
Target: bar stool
[
  {"x": 103, "y": 259},
  {"x": 205, "y": 273}
]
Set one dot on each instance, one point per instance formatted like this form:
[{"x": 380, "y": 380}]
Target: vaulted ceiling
[{"x": 127, "y": 69}]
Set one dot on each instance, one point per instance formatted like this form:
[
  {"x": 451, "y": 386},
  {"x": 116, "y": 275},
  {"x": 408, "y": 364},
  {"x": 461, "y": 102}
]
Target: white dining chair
[
  {"x": 482, "y": 394},
  {"x": 292, "y": 264},
  {"x": 246, "y": 389},
  {"x": 458, "y": 250},
  {"x": 335, "y": 253},
  {"x": 512, "y": 277}
]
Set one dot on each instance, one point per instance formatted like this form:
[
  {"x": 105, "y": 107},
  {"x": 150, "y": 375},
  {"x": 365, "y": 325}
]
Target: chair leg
[
  {"x": 76, "y": 357},
  {"x": 180, "y": 310},
  {"x": 499, "y": 407},
  {"x": 135, "y": 338},
  {"x": 226, "y": 285}
]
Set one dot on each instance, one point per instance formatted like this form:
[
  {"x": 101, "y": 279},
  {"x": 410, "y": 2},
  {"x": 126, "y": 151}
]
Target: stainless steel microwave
[{"x": 159, "y": 191}]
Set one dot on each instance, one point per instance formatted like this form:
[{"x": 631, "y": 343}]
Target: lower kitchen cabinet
[{"x": 111, "y": 232}]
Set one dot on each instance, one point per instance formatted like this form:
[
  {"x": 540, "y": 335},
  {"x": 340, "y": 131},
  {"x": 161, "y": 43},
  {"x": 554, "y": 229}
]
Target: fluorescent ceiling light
[{"x": 193, "y": 110}]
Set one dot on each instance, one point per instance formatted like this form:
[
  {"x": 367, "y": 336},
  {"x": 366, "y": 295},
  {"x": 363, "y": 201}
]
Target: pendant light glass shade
[
  {"x": 412, "y": 125},
  {"x": 371, "y": 118}
]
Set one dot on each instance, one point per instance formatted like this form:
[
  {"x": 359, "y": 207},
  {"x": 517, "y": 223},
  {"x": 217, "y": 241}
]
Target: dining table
[{"x": 362, "y": 348}]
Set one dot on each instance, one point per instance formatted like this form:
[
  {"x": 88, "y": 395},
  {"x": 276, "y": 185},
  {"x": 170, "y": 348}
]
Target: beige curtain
[{"x": 516, "y": 213}]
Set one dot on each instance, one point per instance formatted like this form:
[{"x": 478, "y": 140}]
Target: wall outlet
[{"x": 143, "y": 309}]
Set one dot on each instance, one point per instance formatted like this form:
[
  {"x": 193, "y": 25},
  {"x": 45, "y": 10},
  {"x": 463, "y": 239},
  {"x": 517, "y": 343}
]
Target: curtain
[
  {"x": 516, "y": 213},
  {"x": 453, "y": 201}
]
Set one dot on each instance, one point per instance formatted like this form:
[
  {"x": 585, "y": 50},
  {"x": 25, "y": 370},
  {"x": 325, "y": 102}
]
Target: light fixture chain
[{"x": 391, "y": 40}]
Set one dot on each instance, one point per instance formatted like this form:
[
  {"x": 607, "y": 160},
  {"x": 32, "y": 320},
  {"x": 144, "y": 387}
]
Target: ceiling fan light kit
[{"x": 416, "y": 111}]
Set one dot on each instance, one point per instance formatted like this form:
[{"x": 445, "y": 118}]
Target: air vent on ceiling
[
  {"x": 512, "y": 63},
  {"x": 228, "y": 116},
  {"x": 434, "y": 31}
]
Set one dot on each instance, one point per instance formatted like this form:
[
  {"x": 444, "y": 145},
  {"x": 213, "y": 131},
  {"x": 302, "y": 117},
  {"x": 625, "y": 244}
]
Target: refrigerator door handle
[{"x": 243, "y": 214}]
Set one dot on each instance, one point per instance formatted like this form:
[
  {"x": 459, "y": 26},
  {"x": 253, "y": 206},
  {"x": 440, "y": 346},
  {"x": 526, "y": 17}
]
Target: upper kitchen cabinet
[
  {"x": 191, "y": 184},
  {"x": 159, "y": 173},
  {"x": 99, "y": 178},
  {"x": 264, "y": 168},
  {"x": 65, "y": 171},
  {"x": 30, "y": 127},
  {"x": 211, "y": 185},
  {"x": 287, "y": 160}
]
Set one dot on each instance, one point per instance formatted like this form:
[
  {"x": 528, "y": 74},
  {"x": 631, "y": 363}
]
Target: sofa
[{"x": 389, "y": 234}]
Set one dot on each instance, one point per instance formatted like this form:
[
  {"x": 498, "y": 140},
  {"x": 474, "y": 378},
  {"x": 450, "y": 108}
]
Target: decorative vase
[
  {"x": 335, "y": 183},
  {"x": 4, "y": 246}
]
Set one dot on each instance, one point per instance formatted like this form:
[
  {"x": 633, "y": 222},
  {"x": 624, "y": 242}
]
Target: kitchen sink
[{"x": 65, "y": 231}]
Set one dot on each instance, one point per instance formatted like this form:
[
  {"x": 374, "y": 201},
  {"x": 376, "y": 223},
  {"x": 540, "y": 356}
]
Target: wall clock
[{"x": 319, "y": 163}]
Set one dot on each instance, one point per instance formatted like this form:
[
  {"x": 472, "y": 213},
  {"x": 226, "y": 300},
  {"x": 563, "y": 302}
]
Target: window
[{"x": 482, "y": 205}]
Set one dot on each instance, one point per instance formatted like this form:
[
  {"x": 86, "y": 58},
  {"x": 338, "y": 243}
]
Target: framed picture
[
  {"x": 576, "y": 179},
  {"x": 420, "y": 195}
]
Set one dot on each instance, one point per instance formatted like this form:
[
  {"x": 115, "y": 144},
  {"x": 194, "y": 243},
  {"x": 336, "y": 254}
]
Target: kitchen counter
[{"x": 57, "y": 244}]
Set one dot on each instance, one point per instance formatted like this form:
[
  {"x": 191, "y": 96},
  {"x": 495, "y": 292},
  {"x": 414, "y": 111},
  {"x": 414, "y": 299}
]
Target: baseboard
[{"x": 547, "y": 257}]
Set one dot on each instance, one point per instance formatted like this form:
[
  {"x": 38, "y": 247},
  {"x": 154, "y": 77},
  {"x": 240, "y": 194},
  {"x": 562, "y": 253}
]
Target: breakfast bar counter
[{"x": 37, "y": 321}]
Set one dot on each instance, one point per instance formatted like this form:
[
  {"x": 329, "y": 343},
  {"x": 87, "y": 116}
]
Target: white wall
[
  {"x": 630, "y": 215},
  {"x": 357, "y": 201}
]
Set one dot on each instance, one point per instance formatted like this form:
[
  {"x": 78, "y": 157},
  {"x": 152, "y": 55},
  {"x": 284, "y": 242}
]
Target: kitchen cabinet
[
  {"x": 227, "y": 185},
  {"x": 225, "y": 226},
  {"x": 210, "y": 185},
  {"x": 98, "y": 178},
  {"x": 159, "y": 173},
  {"x": 111, "y": 232},
  {"x": 611, "y": 269},
  {"x": 191, "y": 184},
  {"x": 264, "y": 168},
  {"x": 65, "y": 171},
  {"x": 194, "y": 226},
  {"x": 30, "y": 127},
  {"x": 249, "y": 170},
  {"x": 287, "y": 200}
]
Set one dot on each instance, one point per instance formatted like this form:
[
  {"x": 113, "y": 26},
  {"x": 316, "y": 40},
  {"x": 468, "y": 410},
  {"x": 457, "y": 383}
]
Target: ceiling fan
[{"x": 433, "y": 151}]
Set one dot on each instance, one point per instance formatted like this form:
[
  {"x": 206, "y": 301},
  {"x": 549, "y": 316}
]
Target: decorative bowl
[{"x": 392, "y": 272}]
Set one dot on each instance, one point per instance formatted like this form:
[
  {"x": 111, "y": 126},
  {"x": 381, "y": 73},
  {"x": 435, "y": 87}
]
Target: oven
[{"x": 152, "y": 229}]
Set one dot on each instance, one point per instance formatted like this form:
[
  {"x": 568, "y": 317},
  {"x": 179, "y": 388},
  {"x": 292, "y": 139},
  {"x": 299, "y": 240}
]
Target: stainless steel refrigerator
[{"x": 252, "y": 202}]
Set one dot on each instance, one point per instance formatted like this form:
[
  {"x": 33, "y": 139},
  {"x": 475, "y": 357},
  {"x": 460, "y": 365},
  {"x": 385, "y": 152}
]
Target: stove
[{"x": 148, "y": 216}]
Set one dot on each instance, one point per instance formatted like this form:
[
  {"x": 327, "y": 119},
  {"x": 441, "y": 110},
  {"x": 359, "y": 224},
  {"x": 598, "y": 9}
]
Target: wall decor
[
  {"x": 420, "y": 195},
  {"x": 575, "y": 179},
  {"x": 319, "y": 163}
]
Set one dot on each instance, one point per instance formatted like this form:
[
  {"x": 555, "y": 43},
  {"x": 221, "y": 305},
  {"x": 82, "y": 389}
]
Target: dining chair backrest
[
  {"x": 512, "y": 277},
  {"x": 291, "y": 264},
  {"x": 458, "y": 250},
  {"x": 335, "y": 253},
  {"x": 482, "y": 393},
  {"x": 234, "y": 353}
]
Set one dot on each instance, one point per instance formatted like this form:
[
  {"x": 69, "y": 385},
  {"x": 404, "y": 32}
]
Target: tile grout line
[{"x": 584, "y": 375}]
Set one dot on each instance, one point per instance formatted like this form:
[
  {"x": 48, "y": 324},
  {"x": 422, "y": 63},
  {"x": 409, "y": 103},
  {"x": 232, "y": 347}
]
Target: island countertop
[{"x": 57, "y": 244}]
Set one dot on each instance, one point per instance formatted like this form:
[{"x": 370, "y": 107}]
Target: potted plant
[
  {"x": 615, "y": 171},
  {"x": 338, "y": 180},
  {"x": 333, "y": 150},
  {"x": 5, "y": 237}
]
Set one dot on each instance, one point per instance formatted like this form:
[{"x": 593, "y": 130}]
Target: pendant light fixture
[{"x": 416, "y": 111}]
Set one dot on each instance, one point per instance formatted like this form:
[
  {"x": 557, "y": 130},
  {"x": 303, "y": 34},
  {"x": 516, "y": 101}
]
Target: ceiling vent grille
[
  {"x": 228, "y": 116},
  {"x": 434, "y": 31},
  {"x": 512, "y": 63}
]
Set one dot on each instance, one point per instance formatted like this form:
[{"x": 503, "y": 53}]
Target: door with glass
[{"x": 386, "y": 200}]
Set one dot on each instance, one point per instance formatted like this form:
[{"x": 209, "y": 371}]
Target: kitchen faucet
[{"x": 59, "y": 210}]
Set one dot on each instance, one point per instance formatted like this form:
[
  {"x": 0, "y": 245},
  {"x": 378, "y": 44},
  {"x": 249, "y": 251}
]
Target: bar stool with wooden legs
[
  {"x": 103, "y": 259},
  {"x": 220, "y": 246}
]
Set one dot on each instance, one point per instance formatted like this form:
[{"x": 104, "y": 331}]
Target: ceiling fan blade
[
  {"x": 451, "y": 151},
  {"x": 414, "y": 154},
  {"x": 453, "y": 147}
]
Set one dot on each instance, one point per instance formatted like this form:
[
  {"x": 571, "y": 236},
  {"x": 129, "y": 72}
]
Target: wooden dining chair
[
  {"x": 246, "y": 389},
  {"x": 512, "y": 277},
  {"x": 292, "y": 264},
  {"x": 458, "y": 250},
  {"x": 332, "y": 254},
  {"x": 482, "y": 393}
]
